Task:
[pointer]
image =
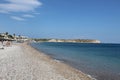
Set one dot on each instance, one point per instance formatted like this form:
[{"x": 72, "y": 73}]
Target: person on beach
[
  {"x": 8, "y": 43},
  {"x": 2, "y": 46}
]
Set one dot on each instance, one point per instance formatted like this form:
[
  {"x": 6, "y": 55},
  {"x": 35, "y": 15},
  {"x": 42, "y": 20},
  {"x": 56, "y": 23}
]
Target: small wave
[
  {"x": 91, "y": 77},
  {"x": 88, "y": 75},
  {"x": 56, "y": 60}
]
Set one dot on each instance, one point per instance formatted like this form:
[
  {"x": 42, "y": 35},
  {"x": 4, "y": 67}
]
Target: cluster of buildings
[{"x": 8, "y": 37}]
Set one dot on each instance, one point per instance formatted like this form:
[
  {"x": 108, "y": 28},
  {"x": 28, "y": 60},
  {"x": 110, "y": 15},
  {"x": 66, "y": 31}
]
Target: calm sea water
[{"x": 101, "y": 61}]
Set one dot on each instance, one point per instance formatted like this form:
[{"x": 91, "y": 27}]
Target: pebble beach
[{"x": 22, "y": 62}]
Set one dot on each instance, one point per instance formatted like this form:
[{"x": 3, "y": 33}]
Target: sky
[{"x": 66, "y": 19}]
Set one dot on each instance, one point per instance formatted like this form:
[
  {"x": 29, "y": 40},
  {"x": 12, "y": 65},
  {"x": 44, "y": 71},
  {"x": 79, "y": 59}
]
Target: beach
[{"x": 22, "y": 62}]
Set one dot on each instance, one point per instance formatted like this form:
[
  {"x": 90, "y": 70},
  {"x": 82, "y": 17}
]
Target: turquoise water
[{"x": 101, "y": 61}]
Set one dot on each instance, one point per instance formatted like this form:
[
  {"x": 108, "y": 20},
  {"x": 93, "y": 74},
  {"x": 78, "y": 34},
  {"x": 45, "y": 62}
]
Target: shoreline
[
  {"x": 62, "y": 71},
  {"x": 23, "y": 62}
]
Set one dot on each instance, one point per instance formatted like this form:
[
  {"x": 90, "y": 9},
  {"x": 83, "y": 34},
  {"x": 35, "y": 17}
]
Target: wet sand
[{"x": 22, "y": 62}]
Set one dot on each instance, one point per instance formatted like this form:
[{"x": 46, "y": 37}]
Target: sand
[{"x": 22, "y": 62}]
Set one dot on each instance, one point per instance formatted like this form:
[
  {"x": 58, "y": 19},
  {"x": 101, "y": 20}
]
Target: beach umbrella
[{"x": 3, "y": 39}]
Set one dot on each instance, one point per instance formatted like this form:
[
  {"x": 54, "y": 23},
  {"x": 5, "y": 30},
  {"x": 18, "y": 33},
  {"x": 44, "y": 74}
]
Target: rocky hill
[{"x": 69, "y": 40}]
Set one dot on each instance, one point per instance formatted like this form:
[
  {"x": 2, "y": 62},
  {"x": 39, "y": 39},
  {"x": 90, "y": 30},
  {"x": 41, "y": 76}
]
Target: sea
[{"x": 101, "y": 61}]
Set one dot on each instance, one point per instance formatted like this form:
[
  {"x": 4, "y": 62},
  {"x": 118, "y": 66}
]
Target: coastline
[
  {"x": 64, "y": 69},
  {"x": 21, "y": 61}
]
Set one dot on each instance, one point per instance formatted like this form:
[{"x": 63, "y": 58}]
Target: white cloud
[
  {"x": 19, "y": 5},
  {"x": 28, "y": 16},
  {"x": 17, "y": 18},
  {"x": 10, "y": 7}
]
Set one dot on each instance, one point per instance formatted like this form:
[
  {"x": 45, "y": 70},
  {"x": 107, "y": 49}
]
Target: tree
[
  {"x": 10, "y": 36},
  {"x": 14, "y": 34},
  {"x": 19, "y": 36},
  {"x": 6, "y": 33}
]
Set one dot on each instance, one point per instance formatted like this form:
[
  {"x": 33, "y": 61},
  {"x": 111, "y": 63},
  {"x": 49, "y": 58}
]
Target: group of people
[{"x": 4, "y": 43}]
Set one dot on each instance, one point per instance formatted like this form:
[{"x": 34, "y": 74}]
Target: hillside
[{"x": 68, "y": 40}]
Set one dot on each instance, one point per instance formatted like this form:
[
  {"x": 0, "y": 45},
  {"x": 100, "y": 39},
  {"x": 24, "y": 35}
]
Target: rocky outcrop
[{"x": 75, "y": 40}]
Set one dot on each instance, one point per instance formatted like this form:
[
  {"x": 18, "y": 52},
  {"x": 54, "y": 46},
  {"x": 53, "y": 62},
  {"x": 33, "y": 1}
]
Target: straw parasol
[{"x": 3, "y": 39}]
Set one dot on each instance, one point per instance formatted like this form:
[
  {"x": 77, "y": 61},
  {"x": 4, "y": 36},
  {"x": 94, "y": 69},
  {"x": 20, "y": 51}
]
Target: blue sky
[{"x": 86, "y": 19}]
